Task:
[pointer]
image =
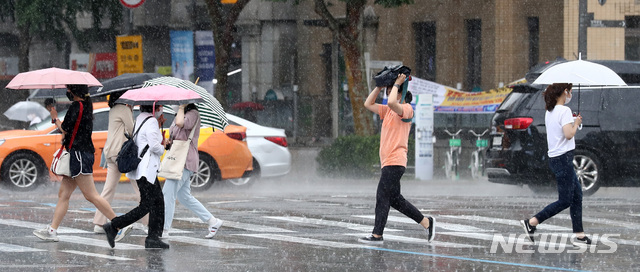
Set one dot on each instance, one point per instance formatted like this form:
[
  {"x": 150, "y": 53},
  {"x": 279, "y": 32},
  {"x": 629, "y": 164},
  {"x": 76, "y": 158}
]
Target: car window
[
  {"x": 101, "y": 121},
  {"x": 512, "y": 100},
  {"x": 46, "y": 122}
]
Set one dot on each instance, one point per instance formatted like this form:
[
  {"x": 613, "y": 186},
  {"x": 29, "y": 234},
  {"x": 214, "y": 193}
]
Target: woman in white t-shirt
[{"x": 561, "y": 129}]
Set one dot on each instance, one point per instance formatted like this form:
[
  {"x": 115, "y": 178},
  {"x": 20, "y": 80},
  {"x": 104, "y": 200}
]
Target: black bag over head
[
  {"x": 388, "y": 75},
  {"x": 128, "y": 158}
]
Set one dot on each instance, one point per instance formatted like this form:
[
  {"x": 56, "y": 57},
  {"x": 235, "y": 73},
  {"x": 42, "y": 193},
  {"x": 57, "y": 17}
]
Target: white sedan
[{"x": 271, "y": 157}]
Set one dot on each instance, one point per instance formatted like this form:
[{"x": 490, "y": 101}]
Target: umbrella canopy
[
  {"x": 211, "y": 112},
  {"x": 247, "y": 105},
  {"x": 580, "y": 72},
  {"x": 122, "y": 83},
  {"x": 24, "y": 110},
  {"x": 51, "y": 78},
  {"x": 159, "y": 95}
]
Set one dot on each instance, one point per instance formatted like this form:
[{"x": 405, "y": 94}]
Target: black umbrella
[{"x": 122, "y": 83}]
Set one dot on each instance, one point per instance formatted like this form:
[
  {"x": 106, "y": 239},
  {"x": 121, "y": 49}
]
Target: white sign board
[{"x": 424, "y": 136}]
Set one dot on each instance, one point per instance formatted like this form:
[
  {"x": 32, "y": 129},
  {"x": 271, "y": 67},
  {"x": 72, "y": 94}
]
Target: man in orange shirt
[{"x": 394, "y": 138}]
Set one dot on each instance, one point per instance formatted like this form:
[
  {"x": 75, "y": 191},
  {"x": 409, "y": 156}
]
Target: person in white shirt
[
  {"x": 151, "y": 146},
  {"x": 561, "y": 128}
]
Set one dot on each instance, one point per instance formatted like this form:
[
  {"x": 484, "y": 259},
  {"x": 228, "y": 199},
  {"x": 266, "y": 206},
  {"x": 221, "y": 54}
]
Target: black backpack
[{"x": 128, "y": 158}]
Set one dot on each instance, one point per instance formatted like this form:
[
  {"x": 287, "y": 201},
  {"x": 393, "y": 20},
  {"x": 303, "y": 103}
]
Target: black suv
[{"x": 607, "y": 148}]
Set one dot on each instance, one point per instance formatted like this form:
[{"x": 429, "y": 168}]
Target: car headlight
[{"x": 1, "y": 141}]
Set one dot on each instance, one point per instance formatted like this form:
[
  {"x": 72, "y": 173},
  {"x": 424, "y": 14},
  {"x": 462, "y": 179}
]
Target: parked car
[
  {"x": 271, "y": 156},
  {"x": 607, "y": 148},
  {"x": 25, "y": 155}
]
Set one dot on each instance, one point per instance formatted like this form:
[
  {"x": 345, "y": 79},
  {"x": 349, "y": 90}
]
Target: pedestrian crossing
[{"x": 454, "y": 231}]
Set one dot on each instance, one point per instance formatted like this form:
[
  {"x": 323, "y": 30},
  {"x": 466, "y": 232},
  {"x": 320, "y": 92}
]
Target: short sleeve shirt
[
  {"x": 394, "y": 137},
  {"x": 554, "y": 121}
]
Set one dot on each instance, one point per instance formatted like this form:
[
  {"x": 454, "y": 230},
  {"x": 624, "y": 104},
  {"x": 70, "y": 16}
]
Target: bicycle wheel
[
  {"x": 475, "y": 165},
  {"x": 448, "y": 166},
  {"x": 456, "y": 162}
]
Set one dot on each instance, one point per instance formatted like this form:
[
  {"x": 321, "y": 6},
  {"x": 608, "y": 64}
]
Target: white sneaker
[
  {"x": 46, "y": 235},
  {"x": 98, "y": 229},
  {"x": 214, "y": 229},
  {"x": 141, "y": 227},
  {"x": 123, "y": 232}
]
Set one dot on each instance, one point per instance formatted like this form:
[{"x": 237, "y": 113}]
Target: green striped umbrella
[{"x": 211, "y": 112}]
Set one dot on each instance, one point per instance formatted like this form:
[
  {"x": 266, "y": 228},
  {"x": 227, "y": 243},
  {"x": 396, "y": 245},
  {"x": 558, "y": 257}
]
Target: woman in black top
[{"x": 81, "y": 162}]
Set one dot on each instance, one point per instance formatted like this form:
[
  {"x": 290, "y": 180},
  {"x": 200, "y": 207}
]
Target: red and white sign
[
  {"x": 100, "y": 65},
  {"x": 132, "y": 3}
]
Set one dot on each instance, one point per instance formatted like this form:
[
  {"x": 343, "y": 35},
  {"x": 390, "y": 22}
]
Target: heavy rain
[{"x": 319, "y": 135}]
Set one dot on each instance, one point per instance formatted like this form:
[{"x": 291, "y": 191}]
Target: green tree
[
  {"x": 223, "y": 19},
  {"x": 56, "y": 21},
  {"x": 347, "y": 32}
]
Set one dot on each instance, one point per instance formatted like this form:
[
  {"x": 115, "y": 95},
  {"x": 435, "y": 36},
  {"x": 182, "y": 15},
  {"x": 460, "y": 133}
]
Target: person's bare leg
[
  {"x": 108, "y": 190},
  {"x": 533, "y": 221},
  {"x": 85, "y": 183},
  {"x": 67, "y": 186},
  {"x": 425, "y": 222}
]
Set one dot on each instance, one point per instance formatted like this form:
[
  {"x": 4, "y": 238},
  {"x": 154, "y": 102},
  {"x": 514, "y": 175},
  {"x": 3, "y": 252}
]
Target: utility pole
[{"x": 583, "y": 23}]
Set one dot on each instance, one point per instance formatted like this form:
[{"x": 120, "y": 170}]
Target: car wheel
[
  {"x": 588, "y": 167},
  {"x": 248, "y": 180},
  {"x": 23, "y": 171},
  {"x": 207, "y": 174}
]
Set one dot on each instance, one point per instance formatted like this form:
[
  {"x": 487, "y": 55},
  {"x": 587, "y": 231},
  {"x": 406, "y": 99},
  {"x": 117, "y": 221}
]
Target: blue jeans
[
  {"x": 182, "y": 190},
  {"x": 569, "y": 192}
]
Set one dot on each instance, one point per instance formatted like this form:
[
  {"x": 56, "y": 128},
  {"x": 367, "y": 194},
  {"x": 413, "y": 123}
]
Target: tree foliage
[{"x": 57, "y": 21}]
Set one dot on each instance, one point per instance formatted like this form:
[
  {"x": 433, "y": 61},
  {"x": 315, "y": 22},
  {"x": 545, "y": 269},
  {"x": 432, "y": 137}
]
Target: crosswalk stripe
[
  {"x": 16, "y": 248},
  {"x": 97, "y": 242},
  {"x": 439, "y": 224},
  {"x": 209, "y": 243},
  {"x": 510, "y": 222},
  {"x": 404, "y": 239},
  {"x": 489, "y": 237},
  {"x": 323, "y": 222},
  {"x": 32, "y": 225},
  {"x": 227, "y": 202},
  {"x": 239, "y": 225},
  {"x": 616, "y": 223},
  {"x": 98, "y": 255},
  {"x": 301, "y": 240}
]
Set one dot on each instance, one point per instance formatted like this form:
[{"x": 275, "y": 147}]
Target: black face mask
[{"x": 69, "y": 96}]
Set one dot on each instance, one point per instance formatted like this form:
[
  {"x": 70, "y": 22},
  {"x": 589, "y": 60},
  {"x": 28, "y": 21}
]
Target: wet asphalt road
[{"x": 307, "y": 223}]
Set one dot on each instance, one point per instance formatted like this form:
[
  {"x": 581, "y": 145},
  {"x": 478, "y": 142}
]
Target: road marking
[
  {"x": 439, "y": 224},
  {"x": 97, "y": 242},
  {"x": 32, "y": 225},
  {"x": 16, "y": 248},
  {"x": 98, "y": 255},
  {"x": 616, "y": 223},
  {"x": 510, "y": 222},
  {"x": 239, "y": 225},
  {"x": 489, "y": 237},
  {"x": 411, "y": 240},
  {"x": 208, "y": 242},
  {"x": 474, "y": 260},
  {"x": 301, "y": 240},
  {"x": 228, "y": 202},
  {"x": 323, "y": 222}
]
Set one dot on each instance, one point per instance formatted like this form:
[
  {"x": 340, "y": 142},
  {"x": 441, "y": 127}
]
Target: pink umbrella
[
  {"x": 51, "y": 78},
  {"x": 160, "y": 95}
]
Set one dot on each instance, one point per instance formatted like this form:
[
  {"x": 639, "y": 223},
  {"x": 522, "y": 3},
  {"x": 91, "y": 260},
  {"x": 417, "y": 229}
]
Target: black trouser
[
  {"x": 152, "y": 203},
  {"x": 388, "y": 195}
]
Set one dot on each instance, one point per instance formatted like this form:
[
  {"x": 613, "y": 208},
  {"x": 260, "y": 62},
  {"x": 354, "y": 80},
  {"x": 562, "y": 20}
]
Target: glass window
[{"x": 101, "y": 121}]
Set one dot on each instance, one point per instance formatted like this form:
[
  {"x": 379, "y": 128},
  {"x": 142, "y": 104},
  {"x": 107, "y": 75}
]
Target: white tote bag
[
  {"x": 60, "y": 165},
  {"x": 173, "y": 163}
]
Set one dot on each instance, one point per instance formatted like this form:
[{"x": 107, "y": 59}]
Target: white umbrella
[
  {"x": 23, "y": 110},
  {"x": 580, "y": 72}
]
